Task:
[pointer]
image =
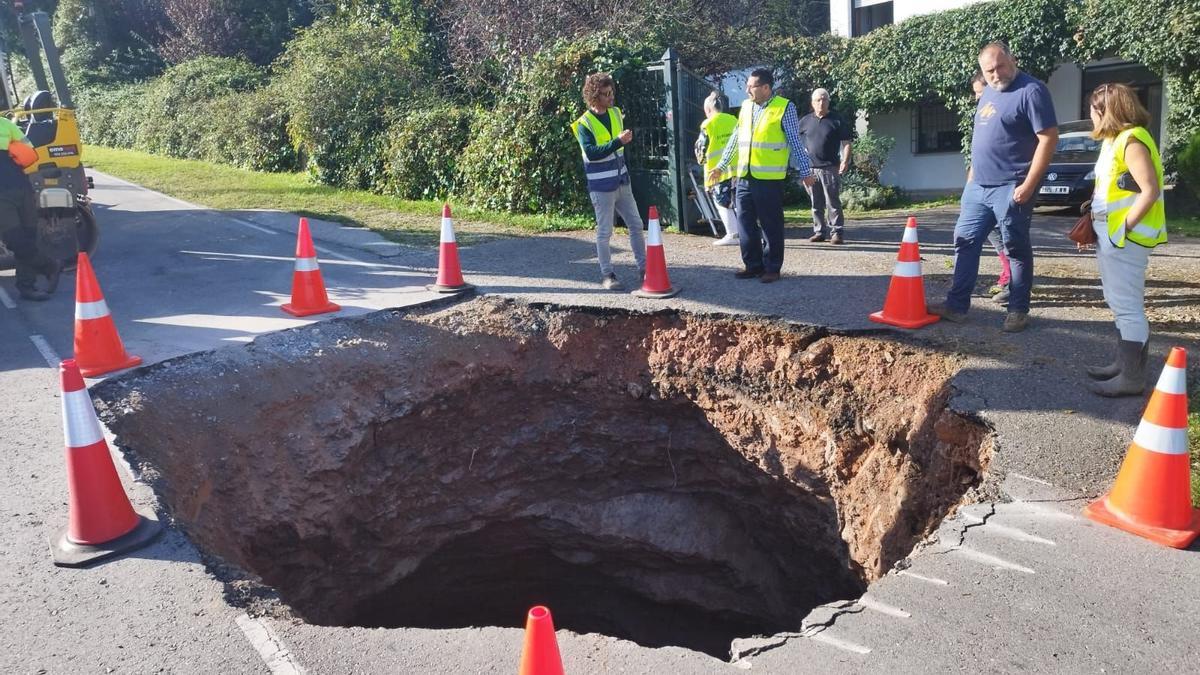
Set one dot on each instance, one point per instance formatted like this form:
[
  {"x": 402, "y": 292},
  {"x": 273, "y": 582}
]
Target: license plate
[{"x": 1055, "y": 190}]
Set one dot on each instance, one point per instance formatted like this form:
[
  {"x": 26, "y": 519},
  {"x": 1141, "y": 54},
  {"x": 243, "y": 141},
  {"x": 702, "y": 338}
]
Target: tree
[{"x": 252, "y": 29}]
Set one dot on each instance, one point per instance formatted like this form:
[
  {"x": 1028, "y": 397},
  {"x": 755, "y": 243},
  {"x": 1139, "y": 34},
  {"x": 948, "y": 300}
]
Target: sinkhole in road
[{"x": 666, "y": 478}]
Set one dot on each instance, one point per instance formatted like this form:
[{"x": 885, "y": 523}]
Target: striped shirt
[{"x": 791, "y": 129}]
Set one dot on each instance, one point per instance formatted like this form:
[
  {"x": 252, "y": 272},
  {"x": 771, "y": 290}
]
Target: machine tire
[{"x": 87, "y": 234}]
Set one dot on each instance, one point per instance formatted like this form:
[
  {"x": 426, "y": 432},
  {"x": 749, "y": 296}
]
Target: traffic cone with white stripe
[
  {"x": 98, "y": 347},
  {"x": 102, "y": 522},
  {"x": 450, "y": 278},
  {"x": 308, "y": 288},
  {"x": 540, "y": 654},
  {"x": 905, "y": 303},
  {"x": 1152, "y": 495},
  {"x": 656, "y": 283}
]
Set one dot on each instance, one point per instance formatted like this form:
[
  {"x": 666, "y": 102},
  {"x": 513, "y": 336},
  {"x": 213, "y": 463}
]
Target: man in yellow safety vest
[
  {"x": 767, "y": 140},
  {"x": 715, "y": 131}
]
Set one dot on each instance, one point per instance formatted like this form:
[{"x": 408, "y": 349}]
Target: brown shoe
[
  {"x": 837, "y": 238},
  {"x": 817, "y": 238},
  {"x": 769, "y": 277},
  {"x": 747, "y": 274}
]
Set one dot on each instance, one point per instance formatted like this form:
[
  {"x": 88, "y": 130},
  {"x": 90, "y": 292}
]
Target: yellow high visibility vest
[
  {"x": 762, "y": 148},
  {"x": 604, "y": 175},
  {"x": 1151, "y": 230},
  {"x": 718, "y": 128}
]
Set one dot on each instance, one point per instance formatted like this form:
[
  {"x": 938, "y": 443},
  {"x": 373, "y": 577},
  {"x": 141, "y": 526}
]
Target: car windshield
[{"x": 1075, "y": 143}]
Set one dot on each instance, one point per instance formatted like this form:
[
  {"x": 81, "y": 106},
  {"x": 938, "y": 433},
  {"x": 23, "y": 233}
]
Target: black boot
[
  {"x": 1131, "y": 380},
  {"x": 1110, "y": 371}
]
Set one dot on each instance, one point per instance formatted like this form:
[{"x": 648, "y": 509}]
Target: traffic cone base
[
  {"x": 67, "y": 553},
  {"x": 95, "y": 371},
  {"x": 669, "y": 293},
  {"x": 438, "y": 288},
  {"x": 878, "y": 317},
  {"x": 309, "y": 311},
  {"x": 1102, "y": 511}
]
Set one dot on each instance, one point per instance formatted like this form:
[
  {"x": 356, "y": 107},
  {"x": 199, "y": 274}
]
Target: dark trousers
[
  {"x": 18, "y": 229},
  {"x": 760, "y": 221}
]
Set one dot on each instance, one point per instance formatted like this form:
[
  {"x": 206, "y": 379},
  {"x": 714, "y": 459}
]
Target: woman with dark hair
[{"x": 1128, "y": 216}]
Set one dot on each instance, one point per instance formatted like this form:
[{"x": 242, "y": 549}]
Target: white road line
[
  {"x": 883, "y": 608},
  {"x": 921, "y": 577},
  {"x": 48, "y": 353},
  {"x": 989, "y": 559},
  {"x": 335, "y": 254},
  {"x": 839, "y": 643},
  {"x": 1031, "y": 479},
  {"x": 253, "y": 226},
  {"x": 1034, "y": 509},
  {"x": 1010, "y": 532},
  {"x": 268, "y": 645},
  {"x": 6, "y": 299}
]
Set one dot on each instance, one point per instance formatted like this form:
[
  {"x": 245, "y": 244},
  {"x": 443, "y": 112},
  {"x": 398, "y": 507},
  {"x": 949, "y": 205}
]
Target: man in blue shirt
[{"x": 1014, "y": 138}]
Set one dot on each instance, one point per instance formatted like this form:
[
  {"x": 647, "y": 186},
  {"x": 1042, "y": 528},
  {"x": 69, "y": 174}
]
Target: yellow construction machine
[{"x": 66, "y": 223}]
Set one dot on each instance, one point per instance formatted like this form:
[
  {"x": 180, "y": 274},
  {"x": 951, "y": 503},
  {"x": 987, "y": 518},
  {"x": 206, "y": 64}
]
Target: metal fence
[{"x": 664, "y": 106}]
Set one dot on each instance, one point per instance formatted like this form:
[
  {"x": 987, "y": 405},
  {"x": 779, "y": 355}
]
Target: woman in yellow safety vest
[
  {"x": 1128, "y": 216},
  {"x": 715, "y": 131}
]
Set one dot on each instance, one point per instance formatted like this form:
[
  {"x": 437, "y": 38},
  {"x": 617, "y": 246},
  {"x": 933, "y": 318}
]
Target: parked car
[{"x": 1069, "y": 180}]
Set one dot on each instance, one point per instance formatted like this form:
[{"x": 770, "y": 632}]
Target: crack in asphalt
[
  {"x": 962, "y": 534},
  {"x": 806, "y": 630}
]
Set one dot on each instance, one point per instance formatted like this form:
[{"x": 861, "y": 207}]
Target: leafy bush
[
  {"x": 860, "y": 193},
  {"x": 111, "y": 116},
  {"x": 248, "y": 130},
  {"x": 343, "y": 78},
  {"x": 176, "y": 114},
  {"x": 870, "y": 152},
  {"x": 523, "y": 157},
  {"x": 423, "y": 152}
]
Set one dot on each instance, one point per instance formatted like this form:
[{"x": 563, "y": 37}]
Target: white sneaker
[{"x": 727, "y": 240}]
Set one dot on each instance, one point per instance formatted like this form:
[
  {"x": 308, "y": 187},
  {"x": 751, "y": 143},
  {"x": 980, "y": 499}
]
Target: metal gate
[{"x": 664, "y": 106}]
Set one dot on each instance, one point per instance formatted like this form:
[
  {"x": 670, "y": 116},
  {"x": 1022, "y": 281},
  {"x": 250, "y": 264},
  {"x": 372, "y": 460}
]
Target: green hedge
[
  {"x": 111, "y": 116},
  {"x": 424, "y": 147},
  {"x": 249, "y": 130},
  {"x": 523, "y": 157},
  {"x": 175, "y": 115},
  {"x": 342, "y": 80}
]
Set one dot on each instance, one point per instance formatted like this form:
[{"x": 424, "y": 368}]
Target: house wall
[
  {"x": 942, "y": 172},
  {"x": 840, "y": 10}
]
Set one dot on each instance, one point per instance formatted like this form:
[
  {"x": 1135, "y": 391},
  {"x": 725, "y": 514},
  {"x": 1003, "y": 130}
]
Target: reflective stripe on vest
[
  {"x": 1151, "y": 230},
  {"x": 718, "y": 128},
  {"x": 763, "y": 151},
  {"x": 604, "y": 175}
]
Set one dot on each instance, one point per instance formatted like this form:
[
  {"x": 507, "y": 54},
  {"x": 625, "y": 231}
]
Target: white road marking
[
  {"x": 839, "y": 643},
  {"x": 48, "y": 353},
  {"x": 883, "y": 608},
  {"x": 251, "y": 256},
  {"x": 989, "y": 559},
  {"x": 335, "y": 254},
  {"x": 253, "y": 226},
  {"x": 1031, "y": 479},
  {"x": 1032, "y": 508},
  {"x": 268, "y": 645},
  {"x": 7, "y": 300},
  {"x": 921, "y": 577},
  {"x": 1010, "y": 532}
]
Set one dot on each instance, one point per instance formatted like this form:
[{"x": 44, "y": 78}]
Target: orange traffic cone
[
  {"x": 308, "y": 288},
  {"x": 102, "y": 522},
  {"x": 450, "y": 278},
  {"x": 98, "y": 348},
  {"x": 656, "y": 284},
  {"x": 540, "y": 655},
  {"x": 1151, "y": 497},
  {"x": 905, "y": 303}
]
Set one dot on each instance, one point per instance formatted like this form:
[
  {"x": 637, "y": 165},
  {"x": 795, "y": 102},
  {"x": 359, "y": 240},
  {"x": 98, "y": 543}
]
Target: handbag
[{"x": 1083, "y": 233}]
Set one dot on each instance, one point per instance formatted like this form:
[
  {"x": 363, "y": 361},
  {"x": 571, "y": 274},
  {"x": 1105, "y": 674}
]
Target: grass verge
[
  {"x": 904, "y": 208},
  {"x": 1188, "y": 226},
  {"x": 224, "y": 187}
]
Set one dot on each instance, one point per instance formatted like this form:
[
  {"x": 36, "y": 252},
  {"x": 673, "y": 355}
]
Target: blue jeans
[{"x": 983, "y": 208}]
